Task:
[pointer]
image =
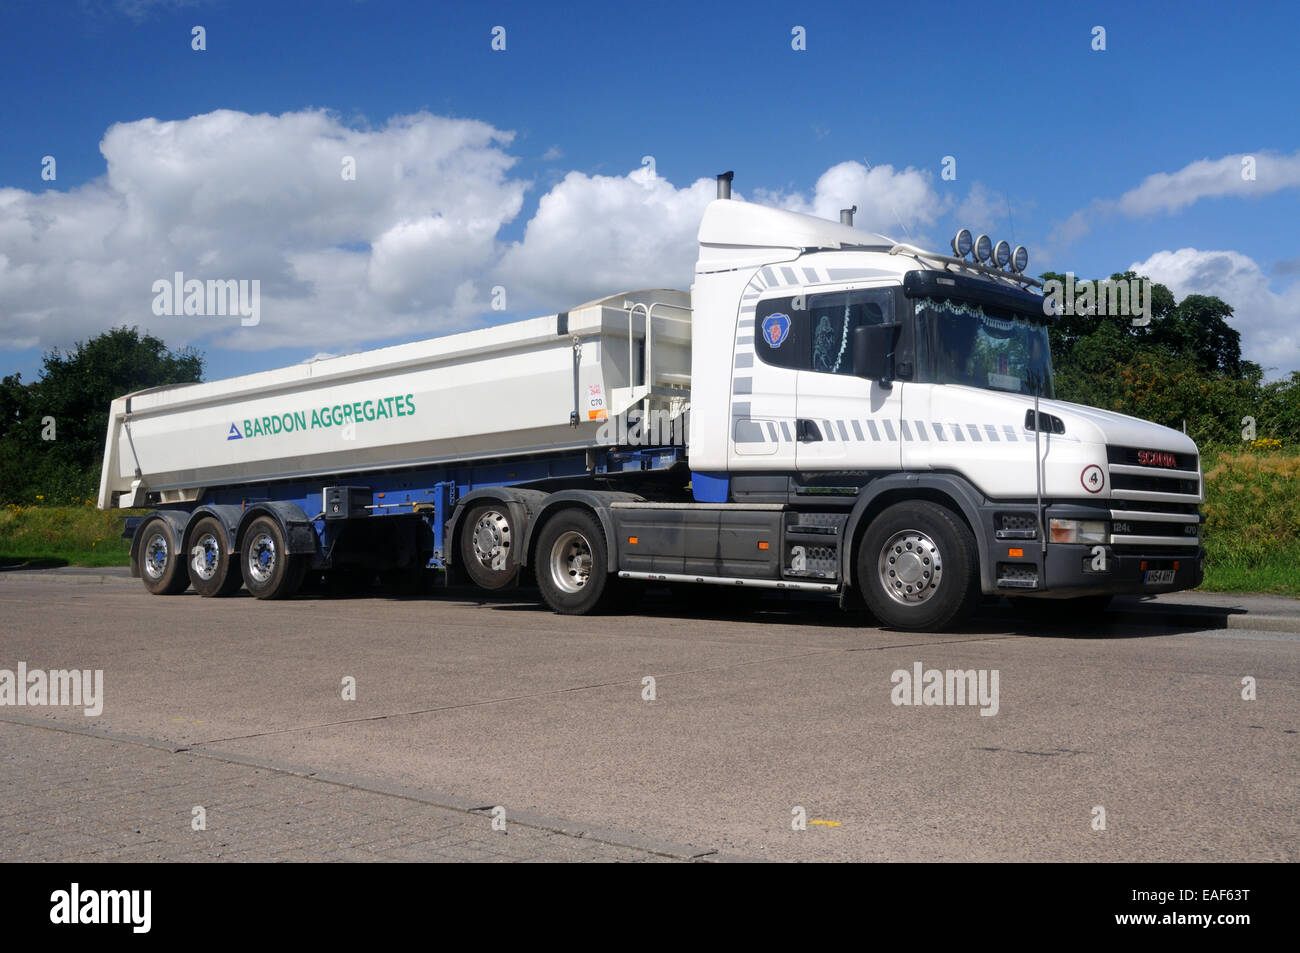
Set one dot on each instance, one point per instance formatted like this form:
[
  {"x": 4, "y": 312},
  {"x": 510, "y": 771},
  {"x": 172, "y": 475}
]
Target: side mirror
[{"x": 873, "y": 352}]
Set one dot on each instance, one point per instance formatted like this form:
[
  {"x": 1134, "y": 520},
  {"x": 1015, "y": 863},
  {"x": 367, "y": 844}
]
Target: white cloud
[
  {"x": 982, "y": 210},
  {"x": 1170, "y": 192},
  {"x": 1212, "y": 178},
  {"x": 408, "y": 249},
  {"x": 594, "y": 235},
  {"x": 141, "y": 9},
  {"x": 233, "y": 195},
  {"x": 883, "y": 196},
  {"x": 597, "y": 235},
  {"x": 1269, "y": 321}
]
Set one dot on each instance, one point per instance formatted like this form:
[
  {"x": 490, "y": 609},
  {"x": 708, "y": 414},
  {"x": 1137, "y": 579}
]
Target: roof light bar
[
  {"x": 962, "y": 242},
  {"x": 1002, "y": 254},
  {"x": 1020, "y": 259}
]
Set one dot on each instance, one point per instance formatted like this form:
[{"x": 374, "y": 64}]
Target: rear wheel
[
  {"x": 570, "y": 564},
  {"x": 270, "y": 570},
  {"x": 918, "y": 567},
  {"x": 487, "y": 547},
  {"x": 213, "y": 570},
  {"x": 161, "y": 565}
]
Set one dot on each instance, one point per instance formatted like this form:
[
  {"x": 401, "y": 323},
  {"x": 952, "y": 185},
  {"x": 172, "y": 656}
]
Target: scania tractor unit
[{"x": 826, "y": 411}]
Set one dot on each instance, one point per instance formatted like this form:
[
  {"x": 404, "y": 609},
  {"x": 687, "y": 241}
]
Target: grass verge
[
  {"x": 63, "y": 536},
  {"x": 1252, "y": 522}
]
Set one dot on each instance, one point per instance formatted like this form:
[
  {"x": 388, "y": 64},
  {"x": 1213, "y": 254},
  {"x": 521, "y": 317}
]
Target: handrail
[{"x": 647, "y": 379}]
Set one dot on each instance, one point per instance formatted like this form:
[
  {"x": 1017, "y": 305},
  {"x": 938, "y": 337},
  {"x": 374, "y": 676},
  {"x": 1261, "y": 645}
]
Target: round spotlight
[
  {"x": 961, "y": 243},
  {"x": 1002, "y": 254},
  {"x": 983, "y": 248},
  {"x": 1020, "y": 259}
]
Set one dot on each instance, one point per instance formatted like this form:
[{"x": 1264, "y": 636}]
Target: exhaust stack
[
  {"x": 846, "y": 215},
  {"x": 724, "y": 184}
]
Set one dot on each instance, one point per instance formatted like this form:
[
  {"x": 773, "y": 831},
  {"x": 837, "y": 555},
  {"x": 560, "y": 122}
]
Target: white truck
[{"x": 827, "y": 410}]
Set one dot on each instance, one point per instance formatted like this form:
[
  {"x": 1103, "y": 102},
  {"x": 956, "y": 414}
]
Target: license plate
[{"x": 1159, "y": 577}]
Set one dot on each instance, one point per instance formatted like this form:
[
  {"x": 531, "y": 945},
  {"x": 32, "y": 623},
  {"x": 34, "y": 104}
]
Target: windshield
[{"x": 983, "y": 346}]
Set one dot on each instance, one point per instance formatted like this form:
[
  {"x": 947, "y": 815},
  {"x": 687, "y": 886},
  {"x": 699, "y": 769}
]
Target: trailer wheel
[
  {"x": 161, "y": 565},
  {"x": 270, "y": 570},
  {"x": 487, "y": 547},
  {"x": 918, "y": 567},
  {"x": 212, "y": 569},
  {"x": 570, "y": 564}
]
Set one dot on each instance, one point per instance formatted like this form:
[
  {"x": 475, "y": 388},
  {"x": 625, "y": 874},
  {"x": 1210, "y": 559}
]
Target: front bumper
[
  {"x": 1017, "y": 566},
  {"x": 1070, "y": 570}
]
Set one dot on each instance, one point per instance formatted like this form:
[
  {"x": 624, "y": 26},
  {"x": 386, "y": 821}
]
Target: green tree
[
  {"x": 1184, "y": 366},
  {"x": 71, "y": 398}
]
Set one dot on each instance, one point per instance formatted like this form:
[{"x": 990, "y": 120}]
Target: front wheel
[
  {"x": 918, "y": 567},
  {"x": 570, "y": 564}
]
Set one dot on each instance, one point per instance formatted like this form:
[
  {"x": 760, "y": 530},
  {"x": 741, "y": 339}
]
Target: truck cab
[{"x": 864, "y": 373}]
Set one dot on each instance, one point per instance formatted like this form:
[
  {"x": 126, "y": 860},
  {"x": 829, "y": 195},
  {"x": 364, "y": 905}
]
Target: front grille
[
  {"x": 1158, "y": 483},
  {"x": 1154, "y": 508},
  {"x": 1132, "y": 457},
  {"x": 1126, "y": 526},
  {"x": 1152, "y": 484}
]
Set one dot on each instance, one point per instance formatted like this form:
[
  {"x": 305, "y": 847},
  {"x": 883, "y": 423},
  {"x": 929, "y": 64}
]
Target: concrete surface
[{"x": 757, "y": 712}]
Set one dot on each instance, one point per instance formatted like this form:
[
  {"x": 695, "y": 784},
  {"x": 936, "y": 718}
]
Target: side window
[
  {"x": 817, "y": 337},
  {"x": 832, "y": 318},
  {"x": 781, "y": 333}
]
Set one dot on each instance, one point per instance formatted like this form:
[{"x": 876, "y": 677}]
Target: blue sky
[{"x": 1069, "y": 137}]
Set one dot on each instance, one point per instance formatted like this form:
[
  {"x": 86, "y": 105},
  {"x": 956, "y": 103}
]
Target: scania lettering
[{"x": 868, "y": 420}]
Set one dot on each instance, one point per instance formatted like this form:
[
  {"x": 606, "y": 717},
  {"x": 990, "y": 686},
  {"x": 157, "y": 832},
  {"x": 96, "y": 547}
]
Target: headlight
[{"x": 1079, "y": 531}]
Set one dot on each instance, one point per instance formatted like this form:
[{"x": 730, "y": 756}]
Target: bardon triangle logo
[{"x": 234, "y": 433}]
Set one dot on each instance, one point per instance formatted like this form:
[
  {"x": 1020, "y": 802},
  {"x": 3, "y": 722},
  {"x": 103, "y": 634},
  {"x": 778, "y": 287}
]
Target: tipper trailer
[{"x": 827, "y": 411}]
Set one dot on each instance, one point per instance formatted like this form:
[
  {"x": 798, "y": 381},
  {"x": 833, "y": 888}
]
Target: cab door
[{"x": 846, "y": 422}]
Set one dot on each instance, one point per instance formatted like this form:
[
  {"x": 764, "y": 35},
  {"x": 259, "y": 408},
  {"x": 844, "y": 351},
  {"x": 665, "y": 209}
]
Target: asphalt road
[{"x": 757, "y": 712}]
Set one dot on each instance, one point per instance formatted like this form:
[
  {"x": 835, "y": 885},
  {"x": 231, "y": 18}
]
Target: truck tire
[
  {"x": 213, "y": 570},
  {"x": 918, "y": 567},
  {"x": 570, "y": 564},
  {"x": 270, "y": 571},
  {"x": 487, "y": 547},
  {"x": 162, "y": 566}
]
